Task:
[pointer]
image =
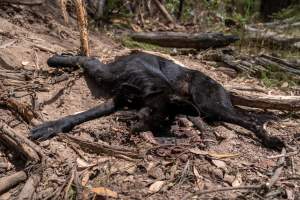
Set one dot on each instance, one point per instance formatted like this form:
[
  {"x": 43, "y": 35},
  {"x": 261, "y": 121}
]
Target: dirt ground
[{"x": 180, "y": 167}]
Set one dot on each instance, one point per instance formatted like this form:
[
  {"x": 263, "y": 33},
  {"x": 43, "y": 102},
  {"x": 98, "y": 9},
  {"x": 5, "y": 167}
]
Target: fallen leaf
[
  {"x": 102, "y": 191},
  {"x": 199, "y": 179},
  {"x": 156, "y": 186},
  {"x": 237, "y": 181},
  {"x": 82, "y": 163},
  {"x": 285, "y": 85},
  {"x": 220, "y": 164},
  {"x": 24, "y": 63}
]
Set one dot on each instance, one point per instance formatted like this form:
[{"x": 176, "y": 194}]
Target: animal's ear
[{"x": 183, "y": 106}]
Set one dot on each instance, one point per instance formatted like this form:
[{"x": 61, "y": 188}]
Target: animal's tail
[{"x": 67, "y": 61}]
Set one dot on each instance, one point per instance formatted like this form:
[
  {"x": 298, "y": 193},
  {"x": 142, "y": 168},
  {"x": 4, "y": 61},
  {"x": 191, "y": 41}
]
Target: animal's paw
[
  {"x": 50, "y": 129},
  {"x": 274, "y": 142}
]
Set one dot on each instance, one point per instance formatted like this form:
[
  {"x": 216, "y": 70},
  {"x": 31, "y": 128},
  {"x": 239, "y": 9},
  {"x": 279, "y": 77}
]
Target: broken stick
[
  {"x": 29, "y": 187},
  {"x": 21, "y": 140},
  {"x": 8, "y": 182}
]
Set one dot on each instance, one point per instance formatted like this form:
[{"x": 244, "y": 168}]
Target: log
[
  {"x": 8, "y": 182},
  {"x": 287, "y": 103},
  {"x": 271, "y": 37},
  {"x": 185, "y": 40}
]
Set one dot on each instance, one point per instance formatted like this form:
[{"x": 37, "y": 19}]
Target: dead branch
[
  {"x": 284, "y": 155},
  {"x": 164, "y": 11},
  {"x": 79, "y": 188},
  {"x": 266, "y": 61},
  {"x": 8, "y": 182},
  {"x": 23, "y": 109},
  {"x": 29, "y": 187},
  {"x": 288, "y": 103},
  {"x": 271, "y": 37},
  {"x": 71, "y": 178},
  {"x": 44, "y": 48},
  {"x": 249, "y": 187},
  {"x": 20, "y": 139},
  {"x": 102, "y": 148},
  {"x": 22, "y": 148},
  {"x": 278, "y": 170},
  {"x": 185, "y": 40},
  {"x": 63, "y": 4},
  {"x": 23, "y": 2},
  {"x": 82, "y": 24}
]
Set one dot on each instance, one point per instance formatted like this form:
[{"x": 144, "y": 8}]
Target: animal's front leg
[{"x": 66, "y": 124}]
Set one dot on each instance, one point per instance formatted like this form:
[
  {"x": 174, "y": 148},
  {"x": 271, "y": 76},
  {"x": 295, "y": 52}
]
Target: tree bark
[{"x": 185, "y": 40}]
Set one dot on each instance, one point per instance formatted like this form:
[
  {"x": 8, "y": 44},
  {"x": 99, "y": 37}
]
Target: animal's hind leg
[{"x": 244, "y": 121}]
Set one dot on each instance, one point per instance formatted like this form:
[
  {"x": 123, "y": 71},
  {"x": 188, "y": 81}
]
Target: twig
[
  {"x": 23, "y": 109},
  {"x": 3, "y": 46},
  {"x": 248, "y": 187},
  {"x": 278, "y": 170},
  {"x": 284, "y": 155},
  {"x": 79, "y": 188},
  {"x": 63, "y": 8},
  {"x": 43, "y": 48},
  {"x": 10, "y": 181},
  {"x": 71, "y": 179},
  {"x": 104, "y": 148},
  {"x": 23, "y": 2},
  {"x": 8, "y": 135},
  {"x": 29, "y": 187}
]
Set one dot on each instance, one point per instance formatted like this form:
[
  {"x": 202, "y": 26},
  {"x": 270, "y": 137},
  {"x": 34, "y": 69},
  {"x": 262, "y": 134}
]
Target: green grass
[{"x": 131, "y": 44}]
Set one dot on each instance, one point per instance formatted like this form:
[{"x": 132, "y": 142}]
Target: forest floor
[{"x": 181, "y": 165}]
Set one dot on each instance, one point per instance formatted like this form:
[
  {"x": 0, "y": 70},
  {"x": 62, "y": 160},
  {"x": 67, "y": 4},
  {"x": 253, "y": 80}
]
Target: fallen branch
[
  {"x": 8, "y": 182},
  {"x": 29, "y": 187},
  {"x": 271, "y": 37},
  {"x": 185, "y": 40},
  {"x": 21, "y": 148},
  {"x": 24, "y": 110},
  {"x": 249, "y": 187},
  {"x": 288, "y": 103},
  {"x": 23, "y": 2},
  {"x": 284, "y": 155},
  {"x": 278, "y": 170},
  {"x": 164, "y": 11},
  {"x": 20, "y": 139},
  {"x": 70, "y": 181},
  {"x": 102, "y": 148}
]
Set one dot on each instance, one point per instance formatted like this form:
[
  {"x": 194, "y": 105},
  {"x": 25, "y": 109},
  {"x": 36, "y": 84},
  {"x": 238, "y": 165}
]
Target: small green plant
[{"x": 129, "y": 43}]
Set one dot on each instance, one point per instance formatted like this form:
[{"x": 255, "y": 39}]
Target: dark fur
[{"x": 159, "y": 89}]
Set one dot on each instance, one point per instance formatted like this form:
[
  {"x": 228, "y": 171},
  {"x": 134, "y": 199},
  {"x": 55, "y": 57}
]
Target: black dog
[{"x": 159, "y": 89}]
